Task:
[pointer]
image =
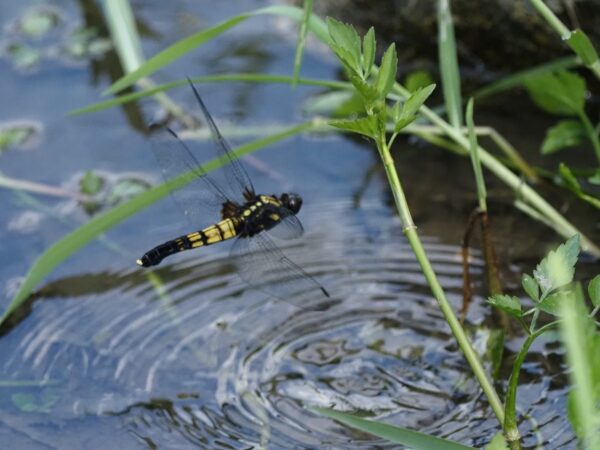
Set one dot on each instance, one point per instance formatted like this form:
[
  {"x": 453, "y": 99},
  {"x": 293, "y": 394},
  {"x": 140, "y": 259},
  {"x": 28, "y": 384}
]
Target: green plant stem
[
  {"x": 510, "y": 422},
  {"x": 551, "y": 18},
  {"x": 591, "y": 132},
  {"x": 410, "y": 230}
]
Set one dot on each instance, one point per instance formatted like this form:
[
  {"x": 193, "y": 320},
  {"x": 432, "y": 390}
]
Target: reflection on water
[{"x": 208, "y": 362}]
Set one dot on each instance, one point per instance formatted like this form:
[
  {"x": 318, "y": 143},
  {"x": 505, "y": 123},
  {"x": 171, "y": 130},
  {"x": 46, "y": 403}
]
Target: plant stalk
[{"x": 410, "y": 230}]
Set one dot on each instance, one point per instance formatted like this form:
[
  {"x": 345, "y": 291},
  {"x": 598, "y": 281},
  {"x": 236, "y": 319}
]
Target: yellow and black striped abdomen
[
  {"x": 221, "y": 231},
  {"x": 218, "y": 232}
]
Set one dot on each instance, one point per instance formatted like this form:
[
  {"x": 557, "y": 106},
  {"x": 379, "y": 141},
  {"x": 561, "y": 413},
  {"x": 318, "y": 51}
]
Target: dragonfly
[{"x": 250, "y": 219}]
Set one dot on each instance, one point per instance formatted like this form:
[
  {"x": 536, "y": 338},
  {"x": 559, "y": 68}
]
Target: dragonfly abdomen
[{"x": 221, "y": 231}]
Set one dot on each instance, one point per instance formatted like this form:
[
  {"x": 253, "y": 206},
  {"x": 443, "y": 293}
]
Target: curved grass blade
[
  {"x": 190, "y": 43},
  {"x": 398, "y": 435},
  {"x": 83, "y": 235},
  {"x": 224, "y": 78}
]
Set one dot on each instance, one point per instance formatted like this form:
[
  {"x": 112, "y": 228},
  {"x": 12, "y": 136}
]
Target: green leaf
[
  {"x": 367, "y": 126},
  {"x": 416, "y": 100},
  {"x": 560, "y": 93},
  {"x": 531, "y": 287},
  {"x": 582, "y": 46},
  {"x": 510, "y": 304},
  {"x": 569, "y": 179},
  {"x": 367, "y": 91},
  {"x": 223, "y": 78},
  {"x": 498, "y": 443},
  {"x": 174, "y": 52},
  {"x": 408, "y": 113},
  {"x": 558, "y": 267},
  {"x": 594, "y": 291},
  {"x": 83, "y": 235},
  {"x": 90, "y": 183},
  {"x": 595, "y": 179},
  {"x": 190, "y": 43},
  {"x": 417, "y": 79},
  {"x": 387, "y": 72},
  {"x": 368, "y": 57},
  {"x": 573, "y": 185},
  {"x": 566, "y": 133},
  {"x": 345, "y": 42},
  {"x": 404, "y": 436},
  {"x": 552, "y": 303}
]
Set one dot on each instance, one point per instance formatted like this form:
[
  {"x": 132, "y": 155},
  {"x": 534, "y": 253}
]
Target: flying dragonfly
[{"x": 251, "y": 218}]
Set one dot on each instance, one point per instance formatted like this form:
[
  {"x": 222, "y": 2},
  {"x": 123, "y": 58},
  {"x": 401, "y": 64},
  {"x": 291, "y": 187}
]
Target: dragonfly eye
[{"x": 293, "y": 202}]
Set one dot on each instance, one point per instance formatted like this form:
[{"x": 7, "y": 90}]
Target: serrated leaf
[
  {"x": 582, "y": 46},
  {"x": 566, "y": 133},
  {"x": 531, "y": 287},
  {"x": 508, "y": 303},
  {"x": 366, "y": 126},
  {"x": 417, "y": 79},
  {"x": 594, "y": 291},
  {"x": 416, "y": 100},
  {"x": 405, "y": 116},
  {"x": 347, "y": 59},
  {"x": 558, "y": 267},
  {"x": 367, "y": 91},
  {"x": 368, "y": 57},
  {"x": 387, "y": 72},
  {"x": 345, "y": 37},
  {"x": 560, "y": 93},
  {"x": 551, "y": 303}
]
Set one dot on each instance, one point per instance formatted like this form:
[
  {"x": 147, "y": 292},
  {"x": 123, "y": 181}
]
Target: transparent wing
[
  {"x": 263, "y": 266},
  {"x": 289, "y": 227},
  {"x": 201, "y": 198},
  {"x": 233, "y": 169}
]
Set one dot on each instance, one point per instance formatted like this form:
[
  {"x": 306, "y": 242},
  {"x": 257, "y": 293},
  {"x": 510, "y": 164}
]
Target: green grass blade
[
  {"x": 474, "y": 151},
  {"x": 449, "y": 64},
  {"x": 224, "y": 78},
  {"x": 518, "y": 78},
  {"x": 121, "y": 22},
  {"x": 308, "y": 5},
  {"x": 410, "y": 438},
  {"x": 173, "y": 52},
  {"x": 190, "y": 43},
  {"x": 83, "y": 235}
]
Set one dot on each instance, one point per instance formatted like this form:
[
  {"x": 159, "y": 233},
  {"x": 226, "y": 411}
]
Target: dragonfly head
[{"x": 293, "y": 202}]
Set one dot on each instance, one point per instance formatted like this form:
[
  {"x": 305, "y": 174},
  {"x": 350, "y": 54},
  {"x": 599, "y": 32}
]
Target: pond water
[{"x": 105, "y": 355}]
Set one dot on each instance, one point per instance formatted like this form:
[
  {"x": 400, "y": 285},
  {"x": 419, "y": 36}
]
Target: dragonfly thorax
[{"x": 264, "y": 212}]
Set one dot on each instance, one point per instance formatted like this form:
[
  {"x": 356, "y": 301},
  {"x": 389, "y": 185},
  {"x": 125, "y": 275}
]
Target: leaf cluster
[{"x": 373, "y": 84}]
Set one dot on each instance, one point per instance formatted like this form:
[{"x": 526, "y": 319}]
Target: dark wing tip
[{"x": 325, "y": 292}]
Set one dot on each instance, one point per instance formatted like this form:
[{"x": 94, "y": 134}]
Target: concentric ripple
[{"x": 191, "y": 356}]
